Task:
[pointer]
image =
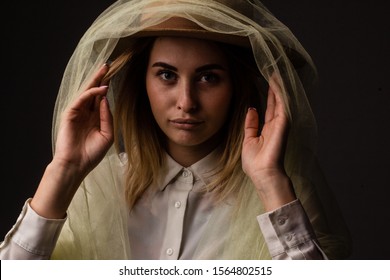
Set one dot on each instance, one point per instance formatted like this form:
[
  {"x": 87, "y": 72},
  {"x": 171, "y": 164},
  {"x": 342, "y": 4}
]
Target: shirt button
[
  {"x": 169, "y": 251},
  {"x": 289, "y": 237},
  {"x": 186, "y": 173},
  {"x": 177, "y": 204},
  {"x": 282, "y": 220}
]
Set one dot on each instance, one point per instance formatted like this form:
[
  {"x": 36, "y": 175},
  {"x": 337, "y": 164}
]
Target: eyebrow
[{"x": 206, "y": 67}]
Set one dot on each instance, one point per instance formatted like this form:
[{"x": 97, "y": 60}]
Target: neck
[{"x": 188, "y": 155}]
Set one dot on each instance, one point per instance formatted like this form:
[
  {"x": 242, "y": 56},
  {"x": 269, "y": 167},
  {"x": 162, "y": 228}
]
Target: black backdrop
[{"x": 348, "y": 40}]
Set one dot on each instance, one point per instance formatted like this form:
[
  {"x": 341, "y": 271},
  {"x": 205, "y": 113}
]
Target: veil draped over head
[{"x": 96, "y": 227}]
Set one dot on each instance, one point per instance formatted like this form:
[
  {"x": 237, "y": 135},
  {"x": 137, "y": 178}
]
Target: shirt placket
[{"x": 177, "y": 203}]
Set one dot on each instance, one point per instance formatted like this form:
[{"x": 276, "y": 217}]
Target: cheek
[
  {"x": 155, "y": 98},
  {"x": 218, "y": 108},
  {"x": 159, "y": 104},
  {"x": 222, "y": 101}
]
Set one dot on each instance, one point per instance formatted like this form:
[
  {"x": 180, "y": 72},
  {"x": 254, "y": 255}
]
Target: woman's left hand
[{"x": 263, "y": 155}]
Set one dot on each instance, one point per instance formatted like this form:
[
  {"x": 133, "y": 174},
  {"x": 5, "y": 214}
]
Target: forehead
[{"x": 184, "y": 49}]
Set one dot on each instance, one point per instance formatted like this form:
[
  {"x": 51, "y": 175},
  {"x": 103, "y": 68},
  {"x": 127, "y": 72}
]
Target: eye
[
  {"x": 209, "y": 77},
  {"x": 167, "y": 75}
]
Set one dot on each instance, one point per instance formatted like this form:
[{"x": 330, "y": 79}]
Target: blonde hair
[{"x": 138, "y": 135}]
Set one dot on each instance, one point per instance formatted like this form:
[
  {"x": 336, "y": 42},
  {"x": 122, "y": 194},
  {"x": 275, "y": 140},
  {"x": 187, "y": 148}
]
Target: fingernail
[{"x": 252, "y": 108}]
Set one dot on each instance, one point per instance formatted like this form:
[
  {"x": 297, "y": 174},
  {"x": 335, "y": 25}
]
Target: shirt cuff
[
  {"x": 36, "y": 234},
  {"x": 288, "y": 231}
]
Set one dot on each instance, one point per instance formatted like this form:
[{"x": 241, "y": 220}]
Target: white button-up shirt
[{"x": 168, "y": 221}]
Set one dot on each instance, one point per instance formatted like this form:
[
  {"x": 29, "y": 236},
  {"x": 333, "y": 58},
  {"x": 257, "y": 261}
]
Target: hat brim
[{"x": 182, "y": 27}]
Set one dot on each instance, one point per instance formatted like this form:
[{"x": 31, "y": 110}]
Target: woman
[{"x": 190, "y": 84}]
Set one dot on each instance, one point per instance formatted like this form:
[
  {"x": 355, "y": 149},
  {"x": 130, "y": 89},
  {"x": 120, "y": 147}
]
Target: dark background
[{"x": 348, "y": 40}]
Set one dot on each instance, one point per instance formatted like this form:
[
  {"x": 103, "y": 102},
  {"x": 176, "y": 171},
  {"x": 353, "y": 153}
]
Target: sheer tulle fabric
[{"x": 97, "y": 218}]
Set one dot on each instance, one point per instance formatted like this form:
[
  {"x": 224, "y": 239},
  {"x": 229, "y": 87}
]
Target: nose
[{"x": 186, "y": 101}]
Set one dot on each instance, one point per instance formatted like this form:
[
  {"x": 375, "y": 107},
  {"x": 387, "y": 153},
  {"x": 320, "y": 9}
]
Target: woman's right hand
[
  {"x": 84, "y": 137},
  {"x": 86, "y": 129}
]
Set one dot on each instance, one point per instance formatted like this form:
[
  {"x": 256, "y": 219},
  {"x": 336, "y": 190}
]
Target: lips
[{"x": 187, "y": 124}]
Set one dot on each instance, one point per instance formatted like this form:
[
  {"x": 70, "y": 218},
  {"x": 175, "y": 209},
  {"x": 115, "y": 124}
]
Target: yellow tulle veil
[{"x": 96, "y": 227}]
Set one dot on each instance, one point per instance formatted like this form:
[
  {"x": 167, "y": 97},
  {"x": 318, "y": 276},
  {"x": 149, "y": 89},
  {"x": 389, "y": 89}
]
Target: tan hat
[
  {"x": 176, "y": 26},
  {"x": 180, "y": 27},
  {"x": 183, "y": 27}
]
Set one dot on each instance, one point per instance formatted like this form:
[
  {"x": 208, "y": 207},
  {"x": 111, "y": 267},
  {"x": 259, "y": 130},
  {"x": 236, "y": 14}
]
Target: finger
[
  {"x": 106, "y": 120},
  {"x": 88, "y": 98},
  {"x": 98, "y": 76},
  {"x": 276, "y": 89},
  {"x": 251, "y": 124},
  {"x": 271, "y": 104}
]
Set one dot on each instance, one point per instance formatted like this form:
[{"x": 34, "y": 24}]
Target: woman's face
[{"x": 189, "y": 88}]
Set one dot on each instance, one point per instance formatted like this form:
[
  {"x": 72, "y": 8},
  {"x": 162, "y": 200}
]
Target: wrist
[
  {"x": 58, "y": 185},
  {"x": 274, "y": 188}
]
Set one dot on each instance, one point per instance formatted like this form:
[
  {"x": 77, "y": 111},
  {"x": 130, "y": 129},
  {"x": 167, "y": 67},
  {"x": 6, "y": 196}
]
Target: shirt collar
[{"x": 203, "y": 169}]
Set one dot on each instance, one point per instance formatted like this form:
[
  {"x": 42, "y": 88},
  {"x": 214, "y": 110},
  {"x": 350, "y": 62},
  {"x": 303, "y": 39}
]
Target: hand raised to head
[
  {"x": 263, "y": 154},
  {"x": 86, "y": 129}
]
